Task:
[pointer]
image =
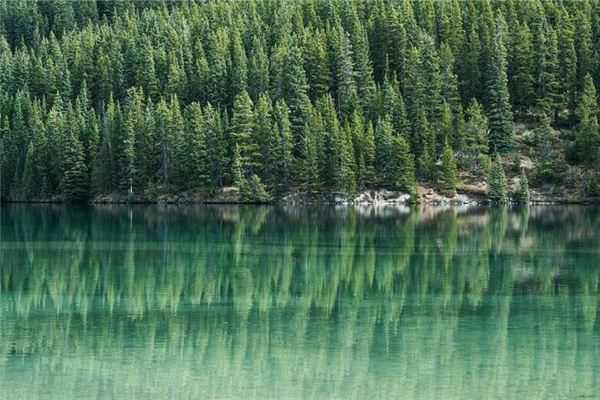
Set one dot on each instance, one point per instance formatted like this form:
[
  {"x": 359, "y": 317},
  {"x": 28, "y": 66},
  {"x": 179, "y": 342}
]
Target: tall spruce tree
[
  {"x": 449, "y": 173},
  {"x": 588, "y": 133},
  {"x": 498, "y": 186},
  {"x": 500, "y": 114},
  {"x": 74, "y": 182}
]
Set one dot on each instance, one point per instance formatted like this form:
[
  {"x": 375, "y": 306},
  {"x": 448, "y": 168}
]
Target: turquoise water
[{"x": 273, "y": 302}]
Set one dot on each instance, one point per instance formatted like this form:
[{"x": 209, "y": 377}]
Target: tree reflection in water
[{"x": 272, "y": 302}]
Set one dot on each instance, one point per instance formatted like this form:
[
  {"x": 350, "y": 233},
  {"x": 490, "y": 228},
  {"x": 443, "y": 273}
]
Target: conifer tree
[
  {"x": 258, "y": 70},
  {"x": 237, "y": 170},
  {"x": 449, "y": 172},
  {"x": 265, "y": 136},
  {"x": 238, "y": 75},
  {"x": 364, "y": 70},
  {"x": 567, "y": 60},
  {"x": 26, "y": 186},
  {"x": 127, "y": 157},
  {"x": 393, "y": 105},
  {"x": 242, "y": 132},
  {"x": 197, "y": 169},
  {"x": 426, "y": 147},
  {"x": 549, "y": 158},
  {"x": 74, "y": 182},
  {"x": 498, "y": 186},
  {"x": 281, "y": 149},
  {"x": 500, "y": 114},
  {"x": 215, "y": 146},
  {"x": 448, "y": 78},
  {"x": 588, "y": 133},
  {"x": 473, "y": 157},
  {"x": 521, "y": 83},
  {"x": 347, "y": 98},
  {"x": 383, "y": 154},
  {"x": 346, "y": 179},
  {"x": 300, "y": 87},
  {"x": 296, "y": 98},
  {"x": 39, "y": 158},
  {"x": 405, "y": 166},
  {"x": 446, "y": 132}
]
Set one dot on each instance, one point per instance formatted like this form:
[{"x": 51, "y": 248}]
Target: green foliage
[
  {"x": 592, "y": 189},
  {"x": 522, "y": 193},
  {"x": 498, "y": 186},
  {"x": 549, "y": 158},
  {"x": 449, "y": 170},
  {"x": 473, "y": 155},
  {"x": 316, "y": 96},
  {"x": 74, "y": 183},
  {"x": 588, "y": 131},
  {"x": 405, "y": 166},
  {"x": 500, "y": 114}
]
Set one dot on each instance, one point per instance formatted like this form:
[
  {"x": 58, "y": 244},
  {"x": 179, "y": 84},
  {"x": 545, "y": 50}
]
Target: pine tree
[
  {"x": 432, "y": 81},
  {"x": 500, "y": 114},
  {"x": 309, "y": 172},
  {"x": 127, "y": 158},
  {"x": 281, "y": 148},
  {"x": 347, "y": 98},
  {"x": 39, "y": 157},
  {"x": 521, "y": 83},
  {"x": 470, "y": 70},
  {"x": 426, "y": 147},
  {"x": 567, "y": 59},
  {"x": 365, "y": 84},
  {"x": 26, "y": 185},
  {"x": 265, "y": 136},
  {"x": 215, "y": 146},
  {"x": 258, "y": 70},
  {"x": 449, "y": 172},
  {"x": 446, "y": 132},
  {"x": 383, "y": 156},
  {"x": 175, "y": 147},
  {"x": 473, "y": 157},
  {"x": 448, "y": 78},
  {"x": 405, "y": 166},
  {"x": 242, "y": 132},
  {"x": 238, "y": 173},
  {"x": 238, "y": 74},
  {"x": 588, "y": 133},
  {"x": 393, "y": 105},
  {"x": 549, "y": 159},
  {"x": 197, "y": 171},
  {"x": 296, "y": 97},
  {"x": 329, "y": 145},
  {"x": 318, "y": 72},
  {"x": 498, "y": 186},
  {"x": 346, "y": 179},
  {"x": 74, "y": 183}
]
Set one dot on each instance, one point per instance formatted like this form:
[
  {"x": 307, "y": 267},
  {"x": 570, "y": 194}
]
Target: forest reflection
[{"x": 272, "y": 302}]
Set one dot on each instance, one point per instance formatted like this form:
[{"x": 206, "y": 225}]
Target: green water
[{"x": 271, "y": 303}]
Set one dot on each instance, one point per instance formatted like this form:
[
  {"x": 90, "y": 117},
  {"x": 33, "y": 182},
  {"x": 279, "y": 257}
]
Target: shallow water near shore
[{"x": 111, "y": 302}]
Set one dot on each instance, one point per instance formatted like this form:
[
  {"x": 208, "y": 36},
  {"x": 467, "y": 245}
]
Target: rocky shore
[{"x": 466, "y": 195}]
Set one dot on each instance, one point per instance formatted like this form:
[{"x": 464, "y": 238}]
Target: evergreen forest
[{"x": 318, "y": 96}]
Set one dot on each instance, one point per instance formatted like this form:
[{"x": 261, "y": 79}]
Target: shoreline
[{"x": 375, "y": 197}]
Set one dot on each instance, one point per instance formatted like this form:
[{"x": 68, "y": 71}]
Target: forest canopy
[{"x": 273, "y": 96}]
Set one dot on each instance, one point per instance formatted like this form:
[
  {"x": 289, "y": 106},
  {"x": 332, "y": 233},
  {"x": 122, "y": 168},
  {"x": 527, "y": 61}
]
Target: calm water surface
[{"x": 283, "y": 303}]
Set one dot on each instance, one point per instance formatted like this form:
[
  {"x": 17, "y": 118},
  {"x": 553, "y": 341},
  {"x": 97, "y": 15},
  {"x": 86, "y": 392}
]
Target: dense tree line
[{"x": 147, "y": 97}]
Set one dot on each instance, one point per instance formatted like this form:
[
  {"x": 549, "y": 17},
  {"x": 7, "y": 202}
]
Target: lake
[{"x": 266, "y": 302}]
